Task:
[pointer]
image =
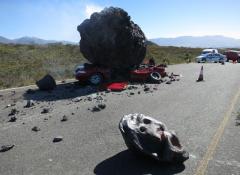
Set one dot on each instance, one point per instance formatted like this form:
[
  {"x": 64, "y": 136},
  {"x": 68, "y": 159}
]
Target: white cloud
[{"x": 91, "y": 9}]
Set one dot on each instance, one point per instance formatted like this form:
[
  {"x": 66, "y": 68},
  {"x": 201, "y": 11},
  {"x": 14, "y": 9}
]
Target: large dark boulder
[
  {"x": 110, "y": 39},
  {"x": 148, "y": 137},
  {"x": 46, "y": 83}
]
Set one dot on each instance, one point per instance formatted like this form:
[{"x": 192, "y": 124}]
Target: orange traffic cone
[{"x": 200, "y": 78}]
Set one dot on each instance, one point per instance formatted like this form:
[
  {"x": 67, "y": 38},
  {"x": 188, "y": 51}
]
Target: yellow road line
[{"x": 201, "y": 169}]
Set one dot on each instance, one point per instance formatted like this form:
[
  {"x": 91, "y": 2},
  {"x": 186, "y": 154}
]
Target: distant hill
[
  {"x": 4, "y": 40},
  {"x": 32, "y": 40},
  {"x": 202, "y": 42}
]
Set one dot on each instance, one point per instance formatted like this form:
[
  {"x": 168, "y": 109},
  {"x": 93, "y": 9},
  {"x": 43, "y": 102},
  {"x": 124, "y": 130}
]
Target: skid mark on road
[{"x": 202, "y": 167}]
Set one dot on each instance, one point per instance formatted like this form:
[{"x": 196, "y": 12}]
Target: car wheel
[
  {"x": 96, "y": 79},
  {"x": 238, "y": 60},
  {"x": 155, "y": 77}
]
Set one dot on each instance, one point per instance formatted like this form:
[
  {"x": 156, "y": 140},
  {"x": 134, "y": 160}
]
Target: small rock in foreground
[
  {"x": 64, "y": 118},
  {"x": 102, "y": 106},
  {"x": 146, "y": 88},
  {"x": 45, "y": 110},
  {"x": 13, "y": 119},
  {"x": 5, "y": 148},
  {"x": 36, "y": 129},
  {"x": 58, "y": 139},
  {"x": 13, "y": 112},
  {"x": 95, "y": 109}
]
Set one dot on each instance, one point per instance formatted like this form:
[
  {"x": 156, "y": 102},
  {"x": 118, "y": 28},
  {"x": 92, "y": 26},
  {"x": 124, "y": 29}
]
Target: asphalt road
[{"x": 203, "y": 114}]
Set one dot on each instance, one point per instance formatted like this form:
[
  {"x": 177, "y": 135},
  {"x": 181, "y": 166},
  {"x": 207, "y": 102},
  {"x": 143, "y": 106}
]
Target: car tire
[
  {"x": 95, "y": 79},
  {"x": 238, "y": 60},
  {"x": 155, "y": 77}
]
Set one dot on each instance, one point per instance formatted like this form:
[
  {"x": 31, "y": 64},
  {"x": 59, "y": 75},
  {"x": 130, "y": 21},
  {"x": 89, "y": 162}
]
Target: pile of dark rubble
[{"x": 95, "y": 99}]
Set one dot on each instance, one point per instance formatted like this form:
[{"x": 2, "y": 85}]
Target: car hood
[{"x": 200, "y": 56}]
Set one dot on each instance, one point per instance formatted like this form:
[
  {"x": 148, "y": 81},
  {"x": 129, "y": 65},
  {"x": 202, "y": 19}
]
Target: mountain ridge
[
  {"x": 209, "y": 41},
  {"x": 213, "y": 41},
  {"x": 32, "y": 40}
]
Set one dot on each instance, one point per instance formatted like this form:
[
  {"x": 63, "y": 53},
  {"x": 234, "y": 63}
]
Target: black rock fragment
[
  {"x": 5, "y": 148},
  {"x": 36, "y": 129},
  {"x": 64, "y": 118},
  {"x": 58, "y": 139},
  {"x": 46, "y": 83},
  {"x": 13, "y": 119}
]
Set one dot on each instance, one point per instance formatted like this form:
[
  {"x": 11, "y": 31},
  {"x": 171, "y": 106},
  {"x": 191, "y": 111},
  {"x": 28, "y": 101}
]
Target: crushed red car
[{"x": 96, "y": 75}]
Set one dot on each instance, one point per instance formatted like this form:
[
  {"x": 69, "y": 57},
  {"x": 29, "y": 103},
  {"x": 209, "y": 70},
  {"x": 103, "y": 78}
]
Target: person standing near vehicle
[{"x": 151, "y": 62}]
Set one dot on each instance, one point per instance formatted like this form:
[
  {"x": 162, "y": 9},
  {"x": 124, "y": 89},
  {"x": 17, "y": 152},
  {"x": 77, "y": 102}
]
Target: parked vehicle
[
  {"x": 96, "y": 75},
  {"x": 92, "y": 74},
  {"x": 205, "y": 51},
  {"x": 232, "y": 55},
  {"x": 211, "y": 57}
]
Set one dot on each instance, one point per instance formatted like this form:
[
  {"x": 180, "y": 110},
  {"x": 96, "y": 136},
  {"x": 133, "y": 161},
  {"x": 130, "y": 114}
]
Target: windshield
[{"x": 205, "y": 52}]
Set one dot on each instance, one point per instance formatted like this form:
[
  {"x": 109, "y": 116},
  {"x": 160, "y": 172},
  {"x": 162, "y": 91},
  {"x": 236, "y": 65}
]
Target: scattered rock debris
[
  {"x": 13, "y": 119},
  {"x": 29, "y": 104},
  {"x": 64, "y": 118},
  {"x": 132, "y": 87},
  {"x": 168, "y": 82},
  {"x": 10, "y": 105},
  {"x": 13, "y": 112},
  {"x": 36, "y": 129},
  {"x": 5, "y": 148},
  {"x": 58, "y": 139},
  {"x": 95, "y": 109},
  {"x": 45, "y": 111},
  {"x": 102, "y": 106},
  {"x": 146, "y": 88}
]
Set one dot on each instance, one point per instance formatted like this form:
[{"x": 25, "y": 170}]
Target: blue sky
[{"x": 58, "y": 19}]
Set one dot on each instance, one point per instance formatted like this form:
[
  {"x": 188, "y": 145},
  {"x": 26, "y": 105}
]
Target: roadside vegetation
[
  {"x": 24, "y": 64},
  {"x": 171, "y": 55}
]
